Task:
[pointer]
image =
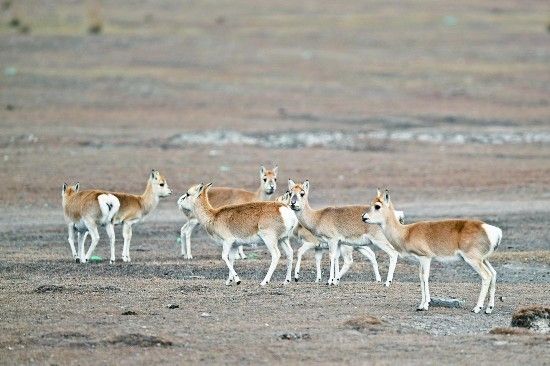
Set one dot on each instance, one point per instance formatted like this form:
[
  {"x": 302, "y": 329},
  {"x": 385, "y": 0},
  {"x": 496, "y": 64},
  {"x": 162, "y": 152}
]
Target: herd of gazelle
[{"x": 236, "y": 217}]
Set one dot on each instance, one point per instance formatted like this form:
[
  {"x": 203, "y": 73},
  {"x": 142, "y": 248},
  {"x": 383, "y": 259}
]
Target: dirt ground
[{"x": 446, "y": 103}]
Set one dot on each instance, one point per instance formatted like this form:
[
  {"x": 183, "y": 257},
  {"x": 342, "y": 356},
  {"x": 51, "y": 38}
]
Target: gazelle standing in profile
[
  {"x": 339, "y": 225},
  {"x": 133, "y": 208},
  {"x": 223, "y": 196},
  {"x": 84, "y": 211},
  {"x": 309, "y": 241},
  {"x": 269, "y": 222},
  {"x": 472, "y": 240}
]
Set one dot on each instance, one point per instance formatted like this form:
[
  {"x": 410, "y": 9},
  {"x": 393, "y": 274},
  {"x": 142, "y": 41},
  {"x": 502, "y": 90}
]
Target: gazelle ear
[
  {"x": 262, "y": 171},
  {"x": 153, "y": 173},
  {"x": 275, "y": 169},
  {"x": 387, "y": 197},
  {"x": 64, "y": 187},
  {"x": 378, "y": 193},
  {"x": 76, "y": 186},
  {"x": 306, "y": 186},
  {"x": 291, "y": 184},
  {"x": 208, "y": 185}
]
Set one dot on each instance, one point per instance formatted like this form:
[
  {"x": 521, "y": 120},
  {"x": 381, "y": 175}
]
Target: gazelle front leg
[
  {"x": 318, "y": 258},
  {"x": 346, "y": 252},
  {"x": 301, "y": 251},
  {"x": 289, "y": 253},
  {"x": 382, "y": 243},
  {"x": 92, "y": 228},
  {"x": 241, "y": 254},
  {"x": 228, "y": 256},
  {"x": 185, "y": 236},
  {"x": 127, "y": 235},
  {"x": 332, "y": 252},
  {"x": 70, "y": 229},
  {"x": 424, "y": 276}
]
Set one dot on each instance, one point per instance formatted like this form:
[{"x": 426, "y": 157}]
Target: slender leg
[
  {"x": 271, "y": 244},
  {"x": 70, "y": 228},
  {"x": 491, "y": 303},
  {"x": 110, "y": 229},
  {"x": 81, "y": 242},
  {"x": 301, "y": 251},
  {"x": 369, "y": 254},
  {"x": 332, "y": 252},
  {"x": 127, "y": 235},
  {"x": 92, "y": 228},
  {"x": 486, "y": 278},
  {"x": 228, "y": 256},
  {"x": 382, "y": 243},
  {"x": 346, "y": 252},
  {"x": 420, "y": 275},
  {"x": 318, "y": 258},
  {"x": 189, "y": 230},
  {"x": 289, "y": 253},
  {"x": 183, "y": 232},
  {"x": 425, "y": 269}
]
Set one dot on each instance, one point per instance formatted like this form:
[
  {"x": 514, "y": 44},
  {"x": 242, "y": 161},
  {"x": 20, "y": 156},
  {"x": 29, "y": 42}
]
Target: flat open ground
[{"x": 447, "y": 103}]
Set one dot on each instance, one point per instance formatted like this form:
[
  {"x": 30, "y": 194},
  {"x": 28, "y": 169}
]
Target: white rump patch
[
  {"x": 109, "y": 206},
  {"x": 289, "y": 218},
  {"x": 493, "y": 233}
]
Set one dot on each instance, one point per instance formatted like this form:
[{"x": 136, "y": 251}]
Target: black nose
[{"x": 293, "y": 200}]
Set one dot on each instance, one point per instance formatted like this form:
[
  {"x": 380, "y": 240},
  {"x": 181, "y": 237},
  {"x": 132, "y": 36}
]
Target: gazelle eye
[
  {"x": 377, "y": 207},
  {"x": 265, "y": 179},
  {"x": 162, "y": 184},
  {"x": 302, "y": 193},
  {"x": 275, "y": 179}
]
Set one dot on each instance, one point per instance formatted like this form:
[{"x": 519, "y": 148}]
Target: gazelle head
[
  {"x": 298, "y": 194},
  {"x": 268, "y": 179},
  {"x": 160, "y": 187},
  {"x": 188, "y": 199},
  {"x": 380, "y": 209},
  {"x": 68, "y": 189}
]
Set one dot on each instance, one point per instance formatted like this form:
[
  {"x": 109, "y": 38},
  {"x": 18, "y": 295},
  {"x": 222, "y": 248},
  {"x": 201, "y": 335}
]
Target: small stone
[
  {"x": 205, "y": 315},
  {"x": 172, "y": 306}
]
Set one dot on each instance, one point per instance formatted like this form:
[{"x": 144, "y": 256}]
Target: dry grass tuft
[
  {"x": 534, "y": 317},
  {"x": 510, "y": 331},
  {"x": 364, "y": 322}
]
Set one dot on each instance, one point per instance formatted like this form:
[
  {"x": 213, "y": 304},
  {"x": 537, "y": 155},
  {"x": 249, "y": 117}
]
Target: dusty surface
[{"x": 449, "y": 107}]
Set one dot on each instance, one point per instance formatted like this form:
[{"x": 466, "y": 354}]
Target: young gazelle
[
  {"x": 84, "y": 211},
  {"x": 339, "y": 225},
  {"x": 309, "y": 241},
  {"x": 249, "y": 223},
  {"x": 134, "y": 208},
  {"x": 472, "y": 240},
  {"x": 222, "y": 196}
]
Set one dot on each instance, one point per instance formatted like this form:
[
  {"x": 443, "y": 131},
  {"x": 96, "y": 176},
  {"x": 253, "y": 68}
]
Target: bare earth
[{"x": 447, "y": 103}]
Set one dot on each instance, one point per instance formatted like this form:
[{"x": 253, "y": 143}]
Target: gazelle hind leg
[
  {"x": 81, "y": 241},
  {"x": 347, "y": 254},
  {"x": 289, "y": 253},
  {"x": 318, "y": 258},
  {"x": 92, "y": 228},
  {"x": 369, "y": 254},
  {"x": 241, "y": 253},
  {"x": 485, "y": 274},
  {"x": 332, "y": 252},
  {"x": 306, "y": 245},
  {"x": 492, "y": 289},
  {"x": 271, "y": 244},
  {"x": 382, "y": 243},
  {"x": 228, "y": 256},
  {"x": 110, "y": 229},
  {"x": 424, "y": 277}
]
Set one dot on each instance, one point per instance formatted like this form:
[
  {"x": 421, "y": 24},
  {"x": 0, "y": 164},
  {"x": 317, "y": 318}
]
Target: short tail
[{"x": 109, "y": 206}]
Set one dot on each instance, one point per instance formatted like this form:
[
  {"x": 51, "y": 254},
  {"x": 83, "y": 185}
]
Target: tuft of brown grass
[
  {"x": 364, "y": 322},
  {"x": 534, "y": 317},
  {"x": 95, "y": 22}
]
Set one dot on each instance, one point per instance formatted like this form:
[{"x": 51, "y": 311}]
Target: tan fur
[
  {"x": 473, "y": 240},
  {"x": 246, "y": 223},
  {"x": 80, "y": 204},
  {"x": 337, "y": 226},
  {"x": 223, "y": 196}
]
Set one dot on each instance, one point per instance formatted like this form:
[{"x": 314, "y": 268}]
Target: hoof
[
  {"x": 387, "y": 284},
  {"x": 488, "y": 310},
  {"x": 296, "y": 279},
  {"x": 421, "y": 309},
  {"x": 188, "y": 257},
  {"x": 476, "y": 310},
  {"x": 77, "y": 260},
  {"x": 238, "y": 282}
]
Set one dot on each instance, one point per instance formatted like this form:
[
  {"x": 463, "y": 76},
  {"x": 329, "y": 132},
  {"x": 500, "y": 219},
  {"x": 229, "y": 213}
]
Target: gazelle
[
  {"x": 84, "y": 211},
  {"x": 222, "y": 196},
  {"x": 249, "y": 223},
  {"x": 472, "y": 240},
  {"x": 309, "y": 241},
  {"x": 133, "y": 208},
  {"x": 339, "y": 225}
]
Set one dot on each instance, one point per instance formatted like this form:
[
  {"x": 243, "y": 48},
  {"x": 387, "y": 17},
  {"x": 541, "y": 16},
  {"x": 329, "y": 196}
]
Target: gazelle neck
[
  {"x": 395, "y": 232},
  {"x": 149, "y": 199},
  {"x": 204, "y": 210},
  {"x": 308, "y": 217},
  {"x": 262, "y": 196}
]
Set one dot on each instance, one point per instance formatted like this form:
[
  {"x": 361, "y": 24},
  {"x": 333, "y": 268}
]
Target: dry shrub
[
  {"x": 364, "y": 322},
  {"x": 534, "y": 317},
  {"x": 510, "y": 331}
]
